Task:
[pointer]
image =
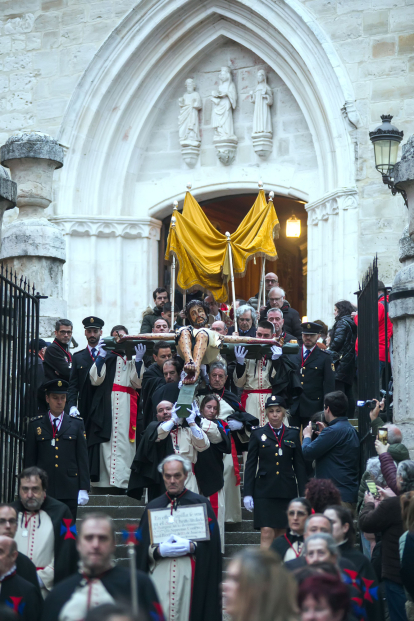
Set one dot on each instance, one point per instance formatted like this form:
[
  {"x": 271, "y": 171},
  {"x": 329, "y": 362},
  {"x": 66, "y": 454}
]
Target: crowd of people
[{"x": 270, "y": 434}]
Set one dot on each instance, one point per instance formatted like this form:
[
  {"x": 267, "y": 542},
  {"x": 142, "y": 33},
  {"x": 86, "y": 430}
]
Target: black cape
[
  {"x": 209, "y": 467},
  {"x": 152, "y": 379},
  {"x": 366, "y": 579},
  {"x": 286, "y": 382},
  {"x": 22, "y": 597},
  {"x": 117, "y": 582},
  {"x": 166, "y": 392},
  {"x": 281, "y": 544},
  {"x": 66, "y": 556},
  {"x": 206, "y": 602},
  {"x": 27, "y": 570},
  {"x": 144, "y": 471}
]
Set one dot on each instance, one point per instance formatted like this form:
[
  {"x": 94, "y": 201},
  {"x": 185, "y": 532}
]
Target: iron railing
[
  {"x": 19, "y": 345},
  {"x": 368, "y": 357}
]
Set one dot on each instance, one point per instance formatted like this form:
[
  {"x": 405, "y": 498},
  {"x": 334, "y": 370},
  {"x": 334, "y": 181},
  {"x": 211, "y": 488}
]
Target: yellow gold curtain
[{"x": 202, "y": 251}]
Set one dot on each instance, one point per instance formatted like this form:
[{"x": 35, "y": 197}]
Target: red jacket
[{"x": 381, "y": 330}]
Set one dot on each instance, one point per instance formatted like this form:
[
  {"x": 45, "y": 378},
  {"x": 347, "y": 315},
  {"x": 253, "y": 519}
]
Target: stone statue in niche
[
  {"x": 262, "y": 97},
  {"x": 224, "y": 102},
  {"x": 188, "y": 123}
]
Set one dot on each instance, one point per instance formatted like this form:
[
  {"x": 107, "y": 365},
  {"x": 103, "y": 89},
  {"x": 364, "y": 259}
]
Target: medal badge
[
  {"x": 25, "y": 533},
  {"x": 263, "y": 438},
  {"x": 39, "y": 431}
]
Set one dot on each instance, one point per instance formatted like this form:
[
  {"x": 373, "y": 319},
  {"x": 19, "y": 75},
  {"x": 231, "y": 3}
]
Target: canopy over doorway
[{"x": 226, "y": 213}]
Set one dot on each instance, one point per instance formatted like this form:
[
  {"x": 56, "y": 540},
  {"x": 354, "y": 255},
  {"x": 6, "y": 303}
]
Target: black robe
[
  {"x": 206, "y": 602},
  {"x": 152, "y": 379},
  {"x": 209, "y": 467},
  {"x": 27, "y": 570},
  {"x": 144, "y": 471},
  {"x": 168, "y": 392},
  {"x": 64, "y": 529},
  {"x": 22, "y": 597},
  {"x": 286, "y": 382},
  {"x": 117, "y": 581}
]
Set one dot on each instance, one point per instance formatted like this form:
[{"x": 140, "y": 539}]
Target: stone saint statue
[
  {"x": 188, "y": 123},
  {"x": 224, "y": 102},
  {"x": 262, "y": 97}
]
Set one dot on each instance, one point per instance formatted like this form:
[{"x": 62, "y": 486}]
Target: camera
[
  {"x": 370, "y": 403},
  {"x": 315, "y": 427}
]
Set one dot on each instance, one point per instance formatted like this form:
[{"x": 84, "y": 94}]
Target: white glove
[
  {"x": 234, "y": 425},
  {"x": 185, "y": 544},
  {"x": 248, "y": 503},
  {"x": 74, "y": 411},
  {"x": 240, "y": 353},
  {"x": 140, "y": 352},
  {"x": 171, "y": 547},
  {"x": 276, "y": 352},
  {"x": 83, "y": 497},
  {"x": 102, "y": 351},
  {"x": 174, "y": 417},
  {"x": 193, "y": 413}
]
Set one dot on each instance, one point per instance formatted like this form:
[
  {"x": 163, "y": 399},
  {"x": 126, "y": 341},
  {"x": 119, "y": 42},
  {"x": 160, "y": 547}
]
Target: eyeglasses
[
  {"x": 12, "y": 521},
  {"x": 297, "y": 513}
]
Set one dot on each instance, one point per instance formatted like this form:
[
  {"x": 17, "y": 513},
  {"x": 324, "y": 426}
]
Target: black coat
[
  {"x": 317, "y": 378},
  {"x": 270, "y": 475},
  {"x": 117, "y": 581},
  {"x": 81, "y": 391},
  {"x": 250, "y": 332},
  {"x": 64, "y": 529},
  {"x": 22, "y": 597},
  {"x": 344, "y": 334},
  {"x": 165, "y": 392},
  {"x": 57, "y": 362},
  {"x": 206, "y": 602},
  {"x": 26, "y": 569},
  {"x": 152, "y": 379},
  {"x": 66, "y": 463},
  {"x": 292, "y": 323},
  {"x": 209, "y": 467}
]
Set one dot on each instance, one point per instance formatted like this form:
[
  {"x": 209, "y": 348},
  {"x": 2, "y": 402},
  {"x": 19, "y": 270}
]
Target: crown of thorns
[{"x": 194, "y": 303}]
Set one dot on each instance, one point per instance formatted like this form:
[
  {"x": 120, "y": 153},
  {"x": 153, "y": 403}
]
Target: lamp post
[{"x": 399, "y": 176}]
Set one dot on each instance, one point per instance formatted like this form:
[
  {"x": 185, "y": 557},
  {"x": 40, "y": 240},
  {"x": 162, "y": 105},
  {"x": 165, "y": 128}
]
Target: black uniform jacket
[
  {"x": 270, "y": 475},
  {"x": 64, "y": 530},
  {"x": 206, "y": 602},
  {"x": 66, "y": 463},
  {"x": 317, "y": 378},
  {"x": 22, "y": 597},
  {"x": 57, "y": 362},
  {"x": 117, "y": 581},
  {"x": 81, "y": 391},
  {"x": 209, "y": 467}
]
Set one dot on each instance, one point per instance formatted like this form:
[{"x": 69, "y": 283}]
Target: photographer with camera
[{"x": 336, "y": 448}]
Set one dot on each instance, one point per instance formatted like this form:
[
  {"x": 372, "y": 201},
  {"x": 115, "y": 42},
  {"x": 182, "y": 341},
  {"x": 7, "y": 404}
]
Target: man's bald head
[
  {"x": 164, "y": 409},
  {"x": 394, "y": 434},
  {"x": 271, "y": 280},
  {"x": 220, "y": 327}
]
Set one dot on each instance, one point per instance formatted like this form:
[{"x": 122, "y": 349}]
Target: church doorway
[{"x": 226, "y": 213}]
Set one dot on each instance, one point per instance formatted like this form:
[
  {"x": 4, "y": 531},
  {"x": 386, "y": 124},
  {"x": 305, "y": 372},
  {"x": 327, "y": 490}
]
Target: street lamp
[{"x": 386, "y": 139}]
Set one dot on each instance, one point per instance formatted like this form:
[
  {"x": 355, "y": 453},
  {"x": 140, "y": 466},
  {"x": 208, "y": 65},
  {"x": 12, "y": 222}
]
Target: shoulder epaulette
[
  {"x": 76, "y": 416},
  {"x": 36, "y": 417},
  {"x": 326, "y": 351},
  {"x": 293, "y": 427},
  {"x": 80, "y": 351}
]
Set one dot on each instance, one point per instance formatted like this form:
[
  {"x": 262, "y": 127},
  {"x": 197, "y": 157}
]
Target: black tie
[
  {"x": 94, "y": 353},
  {"x": 306, "y": 354}
]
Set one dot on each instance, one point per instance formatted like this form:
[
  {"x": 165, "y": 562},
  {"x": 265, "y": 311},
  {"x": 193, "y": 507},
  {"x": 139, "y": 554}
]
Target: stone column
[
  {"x": 8, "y": 192},
  {"x": 402, "y": 307},
  {"x": 31, "y": 245}
]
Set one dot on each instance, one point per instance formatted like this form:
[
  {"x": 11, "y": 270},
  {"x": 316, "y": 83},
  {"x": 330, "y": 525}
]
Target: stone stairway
[{"x": 123, "y": 510}]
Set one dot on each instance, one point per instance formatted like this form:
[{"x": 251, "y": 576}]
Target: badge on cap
[
  {"x": 92, "y": 320},
  {"x": 39, "y": 431},
  {"x": 59, "y": 383},
  {"x": 263, "y": 437},
  {"x": 308, "y": 326},
  {"x": 273, "y": 398}
]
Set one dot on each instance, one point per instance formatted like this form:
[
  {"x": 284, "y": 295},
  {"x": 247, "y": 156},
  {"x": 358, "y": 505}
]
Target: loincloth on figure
[{"x": 213, "y": 346}]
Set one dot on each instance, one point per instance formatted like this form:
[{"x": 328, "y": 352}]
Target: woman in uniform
[{"x": 275, "y": 472}]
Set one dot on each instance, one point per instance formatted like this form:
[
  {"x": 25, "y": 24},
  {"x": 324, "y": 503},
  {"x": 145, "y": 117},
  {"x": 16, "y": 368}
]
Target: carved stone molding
[
  {"x": 106, "y": 226},
  {"x": 330, "y": 204}
]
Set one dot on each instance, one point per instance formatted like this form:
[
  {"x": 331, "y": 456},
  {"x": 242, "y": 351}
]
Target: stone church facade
[{"x": 105, "y": 80}]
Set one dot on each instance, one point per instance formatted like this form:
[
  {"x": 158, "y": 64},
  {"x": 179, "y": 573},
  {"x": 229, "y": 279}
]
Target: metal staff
[
  {"x": 131, "y": 539},
  {"x": 184, "y": 304},
  {"x": 233, "y": 291},
  {"x": 173, "y": 221}
]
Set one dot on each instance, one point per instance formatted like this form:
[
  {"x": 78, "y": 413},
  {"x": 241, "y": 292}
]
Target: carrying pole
[
  {"x": 233, "y": 290},
  {"x": 172, "y": 296},
  {"x": 134, "y": 587},
  {"x": 184, "y": 303}
]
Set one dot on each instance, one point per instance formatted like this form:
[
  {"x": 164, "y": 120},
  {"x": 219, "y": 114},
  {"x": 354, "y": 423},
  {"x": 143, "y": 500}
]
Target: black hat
[
  {"x": 275, "y": 400},
  {"x": 41, "y": 344},
  {"x": 57, "y": 386},
  {"x": 93, "y": 322},
  {"x": 311, "y": 328}
]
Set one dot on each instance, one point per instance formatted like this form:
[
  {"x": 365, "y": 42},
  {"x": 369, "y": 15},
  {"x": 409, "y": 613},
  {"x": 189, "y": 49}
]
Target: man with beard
[
  {"x": 153, "y": 378},
  {"x": 46, "y": 531},
  {"x": 150, "y": 315},
  {"x": 15, "y": 592},
  {"x": 58, "y": 361},
  {"x": 240, "y": 424},
  {"x": 275, "y": 316},
  {"x": 186, "y": 574},
  {"x": 98, "y": 580},
  {"x": 169, "y": 391},
  {"x": 113, "y": 416},
  {"x": 81, "y": 391}
]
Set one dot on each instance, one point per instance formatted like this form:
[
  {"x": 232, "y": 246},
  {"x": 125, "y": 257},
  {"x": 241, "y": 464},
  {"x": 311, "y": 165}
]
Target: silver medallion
[
  {"x": 53, "y": 442},
  {"x": 280, "y": 451},
  {"x": 25, "y": 533}
]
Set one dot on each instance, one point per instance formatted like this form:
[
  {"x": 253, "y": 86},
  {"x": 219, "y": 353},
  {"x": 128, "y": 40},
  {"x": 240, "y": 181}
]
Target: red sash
[
  {"x": 133, "y": 407},
  {"x": 246, "y": 393}
]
